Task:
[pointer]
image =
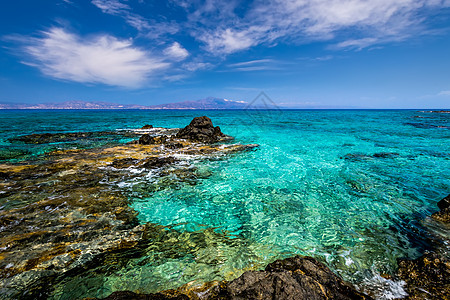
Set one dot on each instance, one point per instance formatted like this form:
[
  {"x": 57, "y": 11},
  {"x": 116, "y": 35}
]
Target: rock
[
  {"x": 202, "y": 130},
  {"x": 427, "y": 277},
  {"x": 174, "y": 145},
  {"x": 147, "y": 127},
  {"x": 444, "y": 214},
  {"x": 444, "y": 203},
  {"x": 146, "y": 139},
  {"x": 385, "y": 155},
  {"x": 124, "y": 163},
  {"x": 292, "y": 278},
  {"x": 157, "y": 162}
]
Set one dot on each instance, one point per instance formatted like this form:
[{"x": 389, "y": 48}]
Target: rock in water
[
  {"x": 292, "y": 278},
  {"x": 201, "y": 129},
  {"x": 444, "y": 214},
  {"x": 444, "y": 203},
  {"x": 146, "y": 139},
  {"x": 298, "y": 277},
  {"x": 147, "y": 127},
  {"x": 427, "y": 277}
]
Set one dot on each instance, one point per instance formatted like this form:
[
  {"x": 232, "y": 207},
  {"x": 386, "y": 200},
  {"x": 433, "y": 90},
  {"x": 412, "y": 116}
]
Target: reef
[
  {"x": 428, "y": 277},
  {"x": 299, "y": 277},
  {"x": 65, "y": 212}
]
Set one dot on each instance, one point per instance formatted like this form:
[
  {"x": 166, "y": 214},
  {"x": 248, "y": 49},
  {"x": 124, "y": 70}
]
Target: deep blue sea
[{"x": 349, "y": 187}]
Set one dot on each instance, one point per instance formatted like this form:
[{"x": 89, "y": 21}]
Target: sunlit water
[{"x": 347, "y": 187}]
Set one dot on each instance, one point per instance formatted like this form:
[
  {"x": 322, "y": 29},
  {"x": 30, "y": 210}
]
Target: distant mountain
[
  {"x": 207, "y": 103},
  {"x": 71, "y": 105}
]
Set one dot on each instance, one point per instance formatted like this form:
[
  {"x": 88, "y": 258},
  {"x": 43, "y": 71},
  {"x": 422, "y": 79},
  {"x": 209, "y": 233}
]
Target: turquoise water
[{"x": 348, "y": 187}]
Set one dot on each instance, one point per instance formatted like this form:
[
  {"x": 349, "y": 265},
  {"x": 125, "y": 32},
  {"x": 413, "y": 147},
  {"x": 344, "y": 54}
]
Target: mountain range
[{"x": 207, "y": 103}]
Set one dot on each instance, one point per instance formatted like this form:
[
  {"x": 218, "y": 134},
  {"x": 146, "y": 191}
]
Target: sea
[{"x": 351, "y": 188}]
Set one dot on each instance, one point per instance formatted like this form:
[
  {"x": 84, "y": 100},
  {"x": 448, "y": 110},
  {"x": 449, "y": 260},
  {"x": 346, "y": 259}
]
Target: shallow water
[{"x": 347, "y": 187}]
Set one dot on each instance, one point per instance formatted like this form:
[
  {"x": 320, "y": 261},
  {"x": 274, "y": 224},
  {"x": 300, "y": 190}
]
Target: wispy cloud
[
  {"x": 176, "y": 52},
  {"x": 112, "y": 7},
  {"x": 353, "y": 24},
  {"x": 148, "y": 28},
  {"x": 444, "y": 93},
  {"x": 99, "y": 59},
  {"x": 256, "y": 65}
]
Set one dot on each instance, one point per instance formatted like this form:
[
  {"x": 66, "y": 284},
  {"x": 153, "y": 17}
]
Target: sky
[{"x": 301, "y": 53}]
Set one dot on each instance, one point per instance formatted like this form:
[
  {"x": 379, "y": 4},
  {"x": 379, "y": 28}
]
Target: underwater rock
[
  {"x": 444, "y": 214},
  {"x": 157, "y": 162},
  {"x": 385, "y": 155},
  {"x": 299, "y": 277},
  {"x": 147, "y": 126},
  {"x": 427, "y": 277},
  {"x": 202, "y": 130},
  {"x": 147, "y": 139},
  {"x": 45, "y": 138}
]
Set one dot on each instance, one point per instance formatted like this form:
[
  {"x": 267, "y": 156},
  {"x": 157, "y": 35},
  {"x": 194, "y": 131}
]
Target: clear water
[{"x": 314, "y": 186}]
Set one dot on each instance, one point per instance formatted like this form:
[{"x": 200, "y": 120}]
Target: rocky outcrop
[
  {"x": 202, "y": 130},
  {"x": 298, "y": 277},
  {"x": 427, "y": 277},
  {"x": 147, "y": 127},
  {"x": 444, "y": 214}
]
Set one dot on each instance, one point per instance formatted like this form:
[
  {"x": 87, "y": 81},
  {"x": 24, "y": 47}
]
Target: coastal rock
[
  {"x": 147, "y": 139},
  {"x": 444, "y": 214},
  {"x": 147, "y": 126},
  {"x": 202, "y": 130},
  {"x": 427, "y": 277},
  {"x": 298, "y": 277},
  {"x": 444, "y": 203}
]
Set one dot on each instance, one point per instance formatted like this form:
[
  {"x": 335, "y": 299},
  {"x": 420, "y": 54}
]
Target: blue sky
[{"x": 301, "y": 53}]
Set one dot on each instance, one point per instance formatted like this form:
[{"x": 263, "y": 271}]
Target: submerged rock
[
  {"x": 444, "y": 214},
  {"x": 298, "y": 277},
  {"x": 427, "y": 277},
  {"x": 202, "y": 130}
]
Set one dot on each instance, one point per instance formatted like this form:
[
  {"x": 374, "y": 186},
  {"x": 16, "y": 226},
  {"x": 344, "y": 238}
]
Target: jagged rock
[
  {"x": 292, "y": 278},
  {"x": 444, "y": 203},
  {"x": 202, "y": 130},
  {"x": 147, "y": 139},
  {"x": 147, "y": 126},
  {"x": 157, "y": 162},
  {"x": 444, "y": 214},
  {"x": 124, "y": 163},
  {"x": 427, "y": 277}
]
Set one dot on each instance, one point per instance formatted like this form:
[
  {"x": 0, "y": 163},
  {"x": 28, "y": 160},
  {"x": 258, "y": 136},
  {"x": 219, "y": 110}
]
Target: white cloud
[
  {"x": 194, "y": 66},
  {"x": 348, "y": 23},
  {"x": 444, "y": 93},
  {"x": 100, "y": 59},
  {"x": 176, "y": 51},
  {"x": 112, "y": 7}
]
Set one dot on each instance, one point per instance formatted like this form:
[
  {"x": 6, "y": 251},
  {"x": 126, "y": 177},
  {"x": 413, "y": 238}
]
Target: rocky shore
[{"x": 66, "y": 215}]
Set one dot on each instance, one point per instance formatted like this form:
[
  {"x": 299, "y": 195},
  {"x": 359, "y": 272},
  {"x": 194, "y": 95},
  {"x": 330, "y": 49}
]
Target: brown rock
[
  {"x": 202, "y": 130},
  {"x": 444, "y": 214},
  {"x": 147, "y": 127},
  {"x": 427, "y": 277}
]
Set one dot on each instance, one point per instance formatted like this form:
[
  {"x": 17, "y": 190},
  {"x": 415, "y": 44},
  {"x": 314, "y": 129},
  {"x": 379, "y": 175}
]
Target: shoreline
[{"x": 78, "y": 170}]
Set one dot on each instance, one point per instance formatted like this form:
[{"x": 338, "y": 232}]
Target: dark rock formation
[
  {"x": 292, "y": 278},
  {"x": 444, "y": 214},
  {"x": 427, "y": 277},
  {"x": 202, "y": 130},
  {"x": 147, "y": 127},
  {"x": 157, "y": 162},
  {"x": 444, "y": 203},
  {"x": 147, "y": 139},
  {"x": 61, "y": 137}
]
